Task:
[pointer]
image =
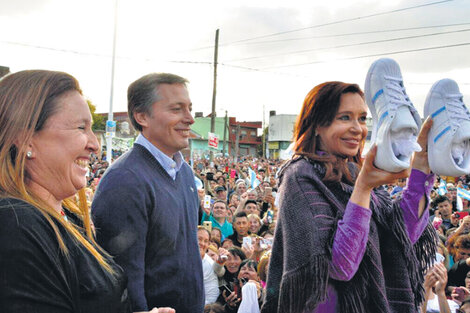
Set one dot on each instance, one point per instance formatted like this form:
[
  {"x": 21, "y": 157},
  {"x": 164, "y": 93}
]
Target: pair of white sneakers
[{"x": 396, "y": 122}]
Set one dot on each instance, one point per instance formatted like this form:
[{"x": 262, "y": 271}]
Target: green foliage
[{"x": 99, "y": 121}]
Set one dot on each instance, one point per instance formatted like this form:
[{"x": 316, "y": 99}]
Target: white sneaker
[
  {"x": 396, "y": 122},
  {"x": 449, "y": 137}
]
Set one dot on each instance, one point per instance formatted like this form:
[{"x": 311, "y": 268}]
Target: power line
[
  {"x": 326, "y": 36},
  {"x": 55, "y": 49},
  {"x": 350, "y": 45},
  {"x": 340, "y": 21},
  {"x": 346, "y": 34},
  {"x": 371, "y": 55}
]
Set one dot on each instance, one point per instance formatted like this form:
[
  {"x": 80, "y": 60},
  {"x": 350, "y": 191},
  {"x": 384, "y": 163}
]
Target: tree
[{"x": 99, "y": 121}]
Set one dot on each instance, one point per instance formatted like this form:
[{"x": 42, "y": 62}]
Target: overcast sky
[{"x": 258, "y": 66}]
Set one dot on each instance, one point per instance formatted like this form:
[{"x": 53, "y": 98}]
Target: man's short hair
[
  {"x": 220, "y": 201},
  {"x": 142, "y": 93},
  {"x": 440, "y": 199},
  {"x": 239, "y": 215},
  {"x": 250, "y": 201}
]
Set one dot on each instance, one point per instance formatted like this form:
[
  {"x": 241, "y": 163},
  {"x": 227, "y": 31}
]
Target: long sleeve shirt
[{"x": 350, "y": 241}]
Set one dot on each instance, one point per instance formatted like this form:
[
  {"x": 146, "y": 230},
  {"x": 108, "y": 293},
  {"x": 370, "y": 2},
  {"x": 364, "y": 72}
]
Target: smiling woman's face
[
  {"x": 61, "y": 150},
  {"x": 233, "y": 263},
  {"x": 347, "y": 131}
]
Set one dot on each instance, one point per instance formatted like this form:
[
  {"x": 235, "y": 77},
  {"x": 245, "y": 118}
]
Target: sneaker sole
[
  {"x": 435, "y": 151},
  {"x": 381, "y": 154}
]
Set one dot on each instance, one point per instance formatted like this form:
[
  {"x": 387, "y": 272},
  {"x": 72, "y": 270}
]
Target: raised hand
[{"x": 420, "y": 159}]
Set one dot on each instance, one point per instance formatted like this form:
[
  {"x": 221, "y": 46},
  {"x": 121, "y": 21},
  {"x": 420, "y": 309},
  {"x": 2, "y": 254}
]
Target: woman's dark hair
[
  {"x": 249, "y": 263},
  {"x": 318, "y": 110},
  {"x": 235, "y": 251}
]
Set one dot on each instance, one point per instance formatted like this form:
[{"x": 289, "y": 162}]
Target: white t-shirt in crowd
[
  {"x": 433, "y": 305},
  {"x": 211, "y": 283}
]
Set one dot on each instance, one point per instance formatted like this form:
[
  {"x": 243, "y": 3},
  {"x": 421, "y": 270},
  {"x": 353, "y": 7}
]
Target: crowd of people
[
  {"x": 325, "y": 231},
  {"x": 236, "y": 210}
]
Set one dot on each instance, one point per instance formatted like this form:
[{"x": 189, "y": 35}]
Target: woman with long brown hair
[
  {"x": 341, "y": 244},
  {"x": 49, "y": 260}
]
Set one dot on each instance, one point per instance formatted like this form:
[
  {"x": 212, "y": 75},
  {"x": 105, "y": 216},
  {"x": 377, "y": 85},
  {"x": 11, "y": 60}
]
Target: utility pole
[
  {"x": 264, "y": 136},
  {"x": 237, "y": 143},
  {"x": 109, "y": 137},
  {"x": 225, "y": 133},
  {"x": 214, "y": 90}
]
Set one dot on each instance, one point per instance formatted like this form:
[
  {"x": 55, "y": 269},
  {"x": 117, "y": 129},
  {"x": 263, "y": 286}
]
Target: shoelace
[
  {"x": 397, "y": 92},
  {"x": 457, "y": 109}
]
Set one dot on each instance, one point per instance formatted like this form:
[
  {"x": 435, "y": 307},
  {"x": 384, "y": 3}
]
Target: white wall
[{"x": 281, "y": 127}]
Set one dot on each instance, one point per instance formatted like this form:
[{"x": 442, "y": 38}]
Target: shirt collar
[{"x": 171, "y": 165}]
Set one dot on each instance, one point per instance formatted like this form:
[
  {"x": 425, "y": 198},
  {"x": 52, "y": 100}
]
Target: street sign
[{"x": 213, "y": 140}]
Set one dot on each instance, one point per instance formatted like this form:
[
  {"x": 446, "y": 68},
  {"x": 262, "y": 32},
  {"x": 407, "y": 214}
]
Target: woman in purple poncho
[{"x": 341, "y": 244}]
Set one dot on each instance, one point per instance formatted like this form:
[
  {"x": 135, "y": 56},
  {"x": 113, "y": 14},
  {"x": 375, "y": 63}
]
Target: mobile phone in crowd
[
  {"x": 227, "y": 288},
  {"x": 207, "y": 202},
  {"x": 461, "y": 215},
  {"x": 268, "y": 191},
  {"x": 247, "y": 242},
  {"x": 270, "y": 216}
]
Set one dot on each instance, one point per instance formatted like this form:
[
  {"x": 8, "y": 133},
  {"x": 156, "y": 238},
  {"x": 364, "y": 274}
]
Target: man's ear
[{"x": 141, "y": 118}]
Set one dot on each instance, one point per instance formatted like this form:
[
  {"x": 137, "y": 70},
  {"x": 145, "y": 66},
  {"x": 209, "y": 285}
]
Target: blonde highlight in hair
[{"x": 27, "y": 100}]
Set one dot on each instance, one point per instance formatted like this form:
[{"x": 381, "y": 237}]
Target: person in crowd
[
  {"x": 49, "y": 259},
  {"x": 401, "y": 183},
  {"x": 456, "y": 274},
  {"x": 212, "y": 251},
  {"x": 442, "y": 255},
  {"x": 221, "y": 180},
  {"x": 435, "y": 291},
  {"x": 235, "y": 256},
  {"x": 460, "y": 294},
  {"x": 444, "y": 206},
  {"x": 250, "y": 207},
  {"x": 240, "y": 229},
  {"x": 211, "y": 283},
  {"x": 241, "y": 187},
  {"x": 234, "y": 199},
  {"x": 218, "y": 217},
  {"x": 146, "y": 205},
  {"x": 221, "y": 193},
  {"x": 465, "y": 306},
  {"x": 263, "y": 266},
  {"x": 233, "y": 302},
  {"x": 458, "y": 243},
  {"x": 335, "y": 223},
  {"x": 216, "y": 235},
  {"x": 230, "y": 211},
  {"x": 252, "y": 195},
  {"x": 227, "y": 243},
  {"x": 255, "y": 223},
  {"x": 452, "y": 194}
]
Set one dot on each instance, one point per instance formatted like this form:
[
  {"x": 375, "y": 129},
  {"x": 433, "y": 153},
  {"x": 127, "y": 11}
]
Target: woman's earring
[{"x": 29, "y": 154}]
